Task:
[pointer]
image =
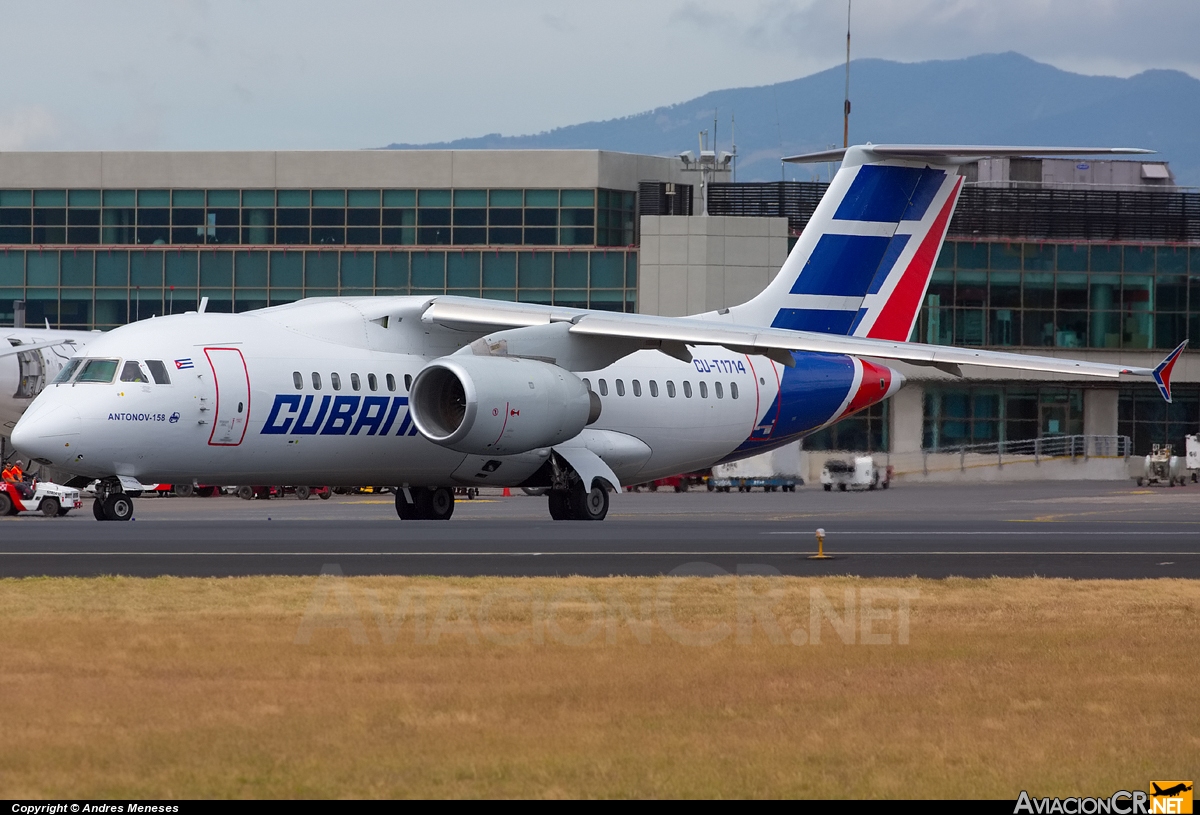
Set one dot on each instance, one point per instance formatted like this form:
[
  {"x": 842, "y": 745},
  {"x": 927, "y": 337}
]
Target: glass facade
[
  {"x": 865, "y": 431},
  {"x": 1063, "y": 295},
  {"x": 319, "y": 217},
  {"x": 992, "y": 413},
  {"x": 109, "y": 286},
  {"x": 1148, "y": 420}
]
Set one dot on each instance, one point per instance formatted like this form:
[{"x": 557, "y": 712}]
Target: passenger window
[
  {"x": 372, "y": 382},
  {"x": 703, "y": 390},
  {"x": 391, "y": 383},
  {"x": 407, "y": 382},
  {"x": 603, "y": 388},
  {"x": 687, "y": 389},
  {"x": 762, "y": 381},
  {"x": 637, "y": 388},
  {"x": 298, "y": 380},
  {"x": 335, "y": 381},
  {"x": 355, "y": 382},
  {"x": 159, "y": 371},
  {"x": 620, "y": 388},
  {"x": 720, "y": 390},
  {"x": 316, "y": 381},
  {"x": 132, "y": 372},
  {"x": 67, "y": 372},
  {"x": 98, "y": 370},
  {"x": 670, "y": 389},
  {"x": 733, "y": 389},
  {"x": 240, "y": 406},
  {"x": 653, "y": 388}
]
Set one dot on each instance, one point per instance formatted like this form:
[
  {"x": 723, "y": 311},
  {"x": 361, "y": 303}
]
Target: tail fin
[
  {"x": 863, "y": 263},
  {"x": 869, "y": 247}
]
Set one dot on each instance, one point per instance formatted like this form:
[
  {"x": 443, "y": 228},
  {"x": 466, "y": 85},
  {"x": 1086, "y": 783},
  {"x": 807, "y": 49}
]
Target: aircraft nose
[{"x": 47, "y": 433}]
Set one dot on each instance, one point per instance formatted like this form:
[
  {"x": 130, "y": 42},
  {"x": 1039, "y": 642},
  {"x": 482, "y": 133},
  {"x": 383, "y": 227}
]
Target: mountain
[{"x": 987, "y": 99}]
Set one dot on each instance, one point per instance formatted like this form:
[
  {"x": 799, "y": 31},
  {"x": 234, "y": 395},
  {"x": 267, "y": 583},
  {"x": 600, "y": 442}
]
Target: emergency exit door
[{"x": 232, "y": 381}]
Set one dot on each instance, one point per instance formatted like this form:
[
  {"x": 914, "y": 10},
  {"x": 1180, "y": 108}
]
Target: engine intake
[{"x": 499, "y": 405}]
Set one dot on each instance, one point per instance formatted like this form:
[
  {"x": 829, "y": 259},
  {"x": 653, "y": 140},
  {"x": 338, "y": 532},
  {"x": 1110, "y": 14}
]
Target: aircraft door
[{"x": 232, "y": 381}]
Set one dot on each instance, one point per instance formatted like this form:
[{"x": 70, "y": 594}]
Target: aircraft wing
[
  {"x": 33, "y": 346},
  {"x": 772, "y": 342}
]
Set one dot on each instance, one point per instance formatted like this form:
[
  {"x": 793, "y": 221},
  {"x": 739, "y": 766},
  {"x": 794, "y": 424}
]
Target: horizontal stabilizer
[{"x": 950, "y": 152}]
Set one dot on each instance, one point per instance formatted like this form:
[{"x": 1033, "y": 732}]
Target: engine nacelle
[{"x": 499, "y": 405}]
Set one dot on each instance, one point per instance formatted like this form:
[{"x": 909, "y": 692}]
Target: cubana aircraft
[
  {"x": 30, "y": 359},
  {"x": 430, "y": 393}
]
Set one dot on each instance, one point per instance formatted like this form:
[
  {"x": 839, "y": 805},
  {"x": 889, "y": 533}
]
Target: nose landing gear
[{"x": 111, "y": 503}]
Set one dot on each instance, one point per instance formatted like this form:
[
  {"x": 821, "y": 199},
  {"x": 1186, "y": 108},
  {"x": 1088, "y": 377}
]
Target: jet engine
[{"x": 499, "y": 405}]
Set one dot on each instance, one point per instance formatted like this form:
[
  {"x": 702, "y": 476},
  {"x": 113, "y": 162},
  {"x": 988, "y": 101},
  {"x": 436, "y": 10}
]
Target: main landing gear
[
  {"x": 577, "y": 504},
  {"x": 424, "y": 503},
  {"x": 111, "y": 504}
]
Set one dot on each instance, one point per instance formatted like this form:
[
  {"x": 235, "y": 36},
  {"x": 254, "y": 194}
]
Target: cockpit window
[
  {"x": 132, "y": 372},
  {"x": 159, "y": 371},
  {"x": 64, "y": 376},
  {"x": 98, "y": 370}
]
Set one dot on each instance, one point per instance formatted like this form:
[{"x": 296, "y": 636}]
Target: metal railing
[{"x": 1046, "y": 447}]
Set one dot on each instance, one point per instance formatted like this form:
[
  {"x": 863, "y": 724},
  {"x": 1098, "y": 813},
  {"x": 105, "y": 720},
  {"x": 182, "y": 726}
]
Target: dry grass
[{"x": 117, "y": 687}]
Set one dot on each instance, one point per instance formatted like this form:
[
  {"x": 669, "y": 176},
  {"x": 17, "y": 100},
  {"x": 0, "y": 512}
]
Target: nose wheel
[{"x": 116, "y": 506}]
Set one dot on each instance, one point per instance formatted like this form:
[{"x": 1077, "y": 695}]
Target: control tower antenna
[{"x": 846, "y": 108}]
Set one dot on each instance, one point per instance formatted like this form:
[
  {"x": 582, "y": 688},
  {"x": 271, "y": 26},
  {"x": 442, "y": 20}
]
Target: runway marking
[
  {"x": 1089, "y": 533},
  {"x": 726, "y": 553}
]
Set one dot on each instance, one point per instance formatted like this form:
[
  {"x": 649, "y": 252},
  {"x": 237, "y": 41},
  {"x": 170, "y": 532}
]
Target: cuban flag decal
[{"x": 183, "y": 364}]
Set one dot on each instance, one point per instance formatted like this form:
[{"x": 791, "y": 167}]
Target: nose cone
[{"x": 46, "y": 433}]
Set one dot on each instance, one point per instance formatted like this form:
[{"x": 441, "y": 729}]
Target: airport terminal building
[{"x": 1096, "y": 260}]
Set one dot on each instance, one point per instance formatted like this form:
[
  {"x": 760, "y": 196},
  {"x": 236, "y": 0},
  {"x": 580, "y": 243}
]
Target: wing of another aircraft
[
  {"x": 33, "y": 346},
  {"x": 772, "y": 342}
]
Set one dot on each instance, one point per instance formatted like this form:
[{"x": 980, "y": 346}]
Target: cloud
[{"x": 28, "y": 128}]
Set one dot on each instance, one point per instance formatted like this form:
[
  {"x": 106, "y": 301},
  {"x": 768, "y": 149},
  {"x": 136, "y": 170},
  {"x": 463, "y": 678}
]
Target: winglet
[{"x": 1162, "y": 374}]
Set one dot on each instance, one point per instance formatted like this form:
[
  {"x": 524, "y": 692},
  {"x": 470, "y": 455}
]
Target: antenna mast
[{"x": 846, "y": 108}]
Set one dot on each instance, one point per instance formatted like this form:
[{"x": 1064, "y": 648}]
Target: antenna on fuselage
[{"x": 203, "y": 305}]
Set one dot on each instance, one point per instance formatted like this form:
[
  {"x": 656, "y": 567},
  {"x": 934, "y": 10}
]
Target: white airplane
[
  {"x": 430, "y": 393},
  {"x": 30, "y": 358}
]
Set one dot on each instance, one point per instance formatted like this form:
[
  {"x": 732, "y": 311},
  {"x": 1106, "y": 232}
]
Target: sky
[{"x": 268, "y": 74}]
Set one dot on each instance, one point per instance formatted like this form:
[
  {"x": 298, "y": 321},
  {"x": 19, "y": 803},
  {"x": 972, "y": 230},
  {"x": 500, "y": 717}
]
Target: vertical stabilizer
[{"x": 869, "y": 239}]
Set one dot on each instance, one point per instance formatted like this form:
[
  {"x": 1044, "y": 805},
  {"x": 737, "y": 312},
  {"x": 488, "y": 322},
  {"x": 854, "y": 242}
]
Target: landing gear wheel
[
  {"x": 183, "y": 490},
  {"x": 841, "y": 487},
  {"x": 560, "y": 509},
  {"x": 303, "y": 493},
  {"x": 50, "y": 507},
  {"x": 828, "y": 487},
  {"x": 118, "y": 507},
  {"x": 6, "y": 505},
  {"x": 407, "y": 511},
  {"x": 440, "y": 504},
  {"x": 98, "y": 510},
  {"x": 591, "y": 505},
  {"x": 1140, "y": 482},
  {"x": 428, "y": 504},
  {"x": 245, "y": 493},
  {"x": 325, "y": 494}
]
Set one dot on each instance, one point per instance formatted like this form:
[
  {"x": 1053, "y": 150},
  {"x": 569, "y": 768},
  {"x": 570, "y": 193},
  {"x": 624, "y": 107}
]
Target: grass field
[{"x": 116, "y": 688}]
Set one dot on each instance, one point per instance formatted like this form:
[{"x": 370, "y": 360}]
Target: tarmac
[{"x": 1050, "y": 529}]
